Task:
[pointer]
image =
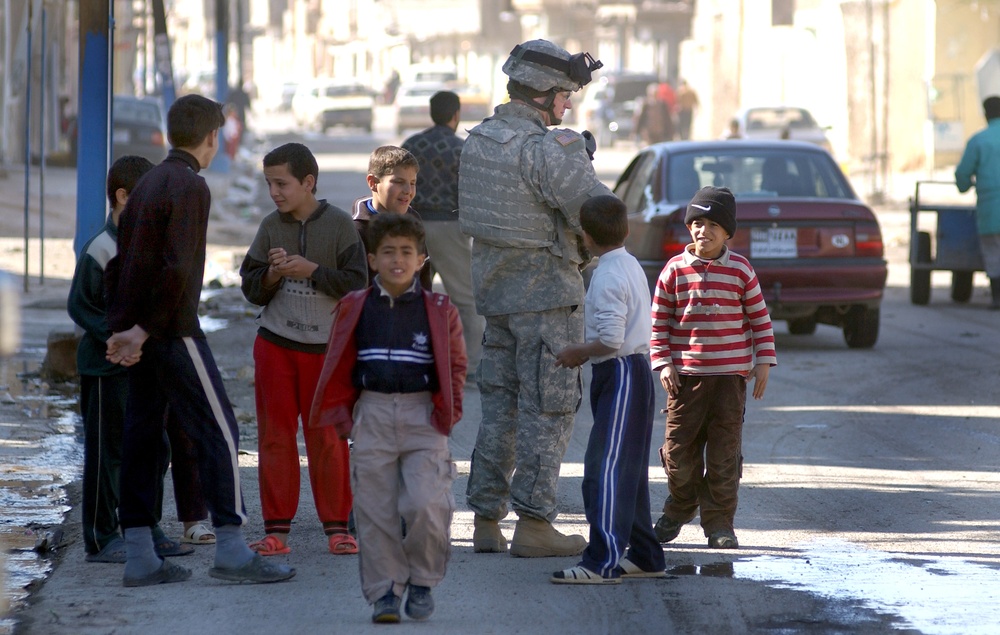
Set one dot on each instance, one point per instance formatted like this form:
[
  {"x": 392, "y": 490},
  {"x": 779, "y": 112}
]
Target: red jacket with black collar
[{"x": 333, "y": 404}]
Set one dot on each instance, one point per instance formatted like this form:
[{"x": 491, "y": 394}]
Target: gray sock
[
  {"x": 231, "y": 550},
  {"x": 140, "y": 554}
]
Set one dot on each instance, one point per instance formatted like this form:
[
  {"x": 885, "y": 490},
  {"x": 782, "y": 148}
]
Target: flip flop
[
  {"x": 270, "y": 546},
  {"x": 632, "y": 570},
  {"x": 198, "y": 535},
  {"x": 113, "y": 552},
  {"x": 256, "y": 570},
  {"x": 167, "y": 548},
  {"x": 341, "y": 544},
  {"x": 168, "y": 572},
  {"x": 580, "y": 575}
]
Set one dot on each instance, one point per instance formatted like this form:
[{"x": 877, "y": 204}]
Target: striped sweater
[{"x": 709, "y": 317}]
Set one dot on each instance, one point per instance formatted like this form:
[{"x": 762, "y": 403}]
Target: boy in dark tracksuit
[
  {"x": 154, "y": 286},
  {"x": 392, "y": 380},
  {"x": 104, "y": 390},
  {"x": 616, "y": 464}
]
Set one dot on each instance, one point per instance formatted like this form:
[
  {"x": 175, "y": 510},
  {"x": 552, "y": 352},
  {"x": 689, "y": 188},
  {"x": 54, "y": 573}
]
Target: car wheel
[
  {"x": 920, "y": 279},
  {"x": 961, "y": 286},
  {"x": 802, "y": 326},
  {"x": 861, "y": 327}
]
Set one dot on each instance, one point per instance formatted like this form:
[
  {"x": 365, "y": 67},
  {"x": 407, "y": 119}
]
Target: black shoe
[
  {"x": 723, "y": 540},
  {"x": 666, "y": 529},
  {"x": 419, "y": 603},
  {"x": 387, "y": 609}
]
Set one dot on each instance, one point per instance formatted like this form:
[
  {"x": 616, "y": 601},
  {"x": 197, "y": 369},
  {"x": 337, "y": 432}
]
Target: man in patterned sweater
[
  {"x": 711, "y": 336},
  {"x": 438, "y": 150}
]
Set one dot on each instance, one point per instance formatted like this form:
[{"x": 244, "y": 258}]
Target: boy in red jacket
[{"x": 392, "y": 381}]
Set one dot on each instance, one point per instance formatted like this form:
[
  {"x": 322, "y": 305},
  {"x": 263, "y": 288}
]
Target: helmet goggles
[{"x": 579, "y": 67}]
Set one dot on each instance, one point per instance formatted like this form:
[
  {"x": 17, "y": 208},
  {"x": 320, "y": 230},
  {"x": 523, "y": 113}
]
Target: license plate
[
  {"x": 120, "y": 136},
  {"x": 774, "y": 242}
]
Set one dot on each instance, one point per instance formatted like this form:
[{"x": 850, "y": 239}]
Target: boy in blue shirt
[{"x": 615, "y": 469}]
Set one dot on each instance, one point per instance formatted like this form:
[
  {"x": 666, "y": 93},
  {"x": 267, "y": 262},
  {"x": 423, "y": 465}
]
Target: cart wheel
[
  {"x": 920, "y": 279},
  {"x": 802, "y": 326},
  {"x": 861, "y": 327},
  {"x": 961, "y": 286}
]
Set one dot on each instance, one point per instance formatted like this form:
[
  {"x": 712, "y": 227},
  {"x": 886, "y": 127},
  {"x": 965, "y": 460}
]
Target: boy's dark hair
[
  {"x": 991, "y": 107},
  {"x": 125, "y": 173},
  {"x": 396, "y": 225},
  {"x": 299, "y": 159},
  {"x": 192, "y": 118},
  {"x": 605, "y": 218},
  {"x": 385, "y": 159},
  {"x": 444, "y": 105}
]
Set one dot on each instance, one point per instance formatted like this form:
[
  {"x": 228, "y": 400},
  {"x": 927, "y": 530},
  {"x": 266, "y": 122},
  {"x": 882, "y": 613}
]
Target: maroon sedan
[{"x": 816, "y": 247}]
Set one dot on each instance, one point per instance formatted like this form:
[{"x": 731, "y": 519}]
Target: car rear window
[
  {"x": 137, "y": 112},
  {"x": 778, "y": 118},
  {"x": 757, "y": 174},
  {"x": 344, "y": 91}
]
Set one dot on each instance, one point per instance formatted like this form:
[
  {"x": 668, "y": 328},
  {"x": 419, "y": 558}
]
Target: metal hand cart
[{"x": 957, "y": 248}]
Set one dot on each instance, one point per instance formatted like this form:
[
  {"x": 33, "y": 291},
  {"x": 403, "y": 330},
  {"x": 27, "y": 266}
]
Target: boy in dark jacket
[
  {"x": 154, "y": 286},
  {"x": 392, "y": 381},
  {"x": 104, "y": 391}
]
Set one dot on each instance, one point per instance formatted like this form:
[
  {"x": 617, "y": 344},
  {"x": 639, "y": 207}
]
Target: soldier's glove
[{"x": 590, "y": 143}]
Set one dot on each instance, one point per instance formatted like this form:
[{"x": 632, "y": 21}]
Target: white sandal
[
  {"x": 632, "y": 570},
  {"x": 198, "y": 535},
  {"x": 580, "y": 575}
]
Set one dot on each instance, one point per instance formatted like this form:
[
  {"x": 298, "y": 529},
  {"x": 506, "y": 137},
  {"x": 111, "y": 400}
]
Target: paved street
[{"x": 868, "y": 502}]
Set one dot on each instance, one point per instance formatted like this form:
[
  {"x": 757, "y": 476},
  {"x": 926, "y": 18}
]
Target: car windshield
[
  {"x": 757, "y": 174},
  {"x": 779, "y": 118},
  {"x": 137, "y": 112}
]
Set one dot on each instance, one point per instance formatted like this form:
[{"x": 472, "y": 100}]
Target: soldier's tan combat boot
[
  {"x": 535, "y": 538},
  {"x": 487, "y": 537}
]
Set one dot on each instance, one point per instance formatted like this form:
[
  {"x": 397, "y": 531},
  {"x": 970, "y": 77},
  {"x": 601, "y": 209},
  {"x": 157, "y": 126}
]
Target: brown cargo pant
[
  {"x": 702, "y": 451},
  {"x": 400, "y": 466}
]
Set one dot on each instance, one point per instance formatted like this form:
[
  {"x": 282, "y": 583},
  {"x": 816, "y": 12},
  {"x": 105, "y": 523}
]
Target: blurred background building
[{"x": 895, "y": 81}]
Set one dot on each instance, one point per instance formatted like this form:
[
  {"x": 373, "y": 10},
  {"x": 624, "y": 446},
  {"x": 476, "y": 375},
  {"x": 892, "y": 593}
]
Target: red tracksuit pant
[{"x": 284, "y": 384}]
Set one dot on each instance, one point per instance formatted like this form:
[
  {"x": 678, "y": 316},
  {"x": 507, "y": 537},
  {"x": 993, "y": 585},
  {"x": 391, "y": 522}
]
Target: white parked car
[
  {"x": 325, "y": 103},
  {"x": 782, "y": 122},
  {"x": 413, "y": 105}
]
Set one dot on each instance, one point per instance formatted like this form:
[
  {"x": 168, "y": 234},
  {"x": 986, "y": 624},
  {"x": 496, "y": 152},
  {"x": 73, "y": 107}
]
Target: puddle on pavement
[
  {"x": 934, "y": 595},
  {"x": 40, "y": 455}
]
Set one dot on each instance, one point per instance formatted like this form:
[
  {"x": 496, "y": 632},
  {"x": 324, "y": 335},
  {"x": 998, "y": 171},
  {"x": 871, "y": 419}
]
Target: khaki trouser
[{"x": 400, "y": 467}]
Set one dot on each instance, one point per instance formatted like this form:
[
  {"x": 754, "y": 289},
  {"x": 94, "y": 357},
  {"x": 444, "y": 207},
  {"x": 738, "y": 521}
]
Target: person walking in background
[
  {"x": 520, "y": 189},
  {"x": 305, "y": 256},
  {"x": 711, "y": 336},
  {"x": 438, "y": 150},
  {"x": 980, "y": 166},
  {"x": 616, "y": 463},
  {"x": 392, "y": 379},
  {"x": 104, "y": 393},
  {"x": 154, "y": 286},
  {"x": 654, "y": 121},
  {"x": 687, "y": 103}
]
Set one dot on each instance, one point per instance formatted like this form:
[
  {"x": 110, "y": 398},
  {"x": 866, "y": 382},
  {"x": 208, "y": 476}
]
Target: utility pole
[{"x": 95, "y": 98}]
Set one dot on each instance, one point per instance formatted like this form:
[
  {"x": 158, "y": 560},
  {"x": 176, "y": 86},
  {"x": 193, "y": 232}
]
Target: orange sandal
[
  {"x": 270, "y": 546},
  {"x": 341, "y": 544}
]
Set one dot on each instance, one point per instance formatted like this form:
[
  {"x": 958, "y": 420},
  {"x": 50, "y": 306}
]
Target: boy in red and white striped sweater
[{"x": 711, "y": 336}]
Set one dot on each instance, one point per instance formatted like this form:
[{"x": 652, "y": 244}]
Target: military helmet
[{"x": 543, "y": 66}]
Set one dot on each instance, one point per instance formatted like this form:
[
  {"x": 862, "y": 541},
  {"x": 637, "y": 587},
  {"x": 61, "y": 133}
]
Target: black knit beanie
[{"x": 714, "y": 203}]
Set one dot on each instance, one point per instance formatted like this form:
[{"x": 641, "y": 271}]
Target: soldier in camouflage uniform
[{"x": 521, "y": 185}]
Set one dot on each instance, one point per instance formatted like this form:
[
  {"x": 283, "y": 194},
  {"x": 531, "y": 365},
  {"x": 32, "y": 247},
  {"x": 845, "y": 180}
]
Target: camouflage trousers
[{"x": 528, "y": 409}]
